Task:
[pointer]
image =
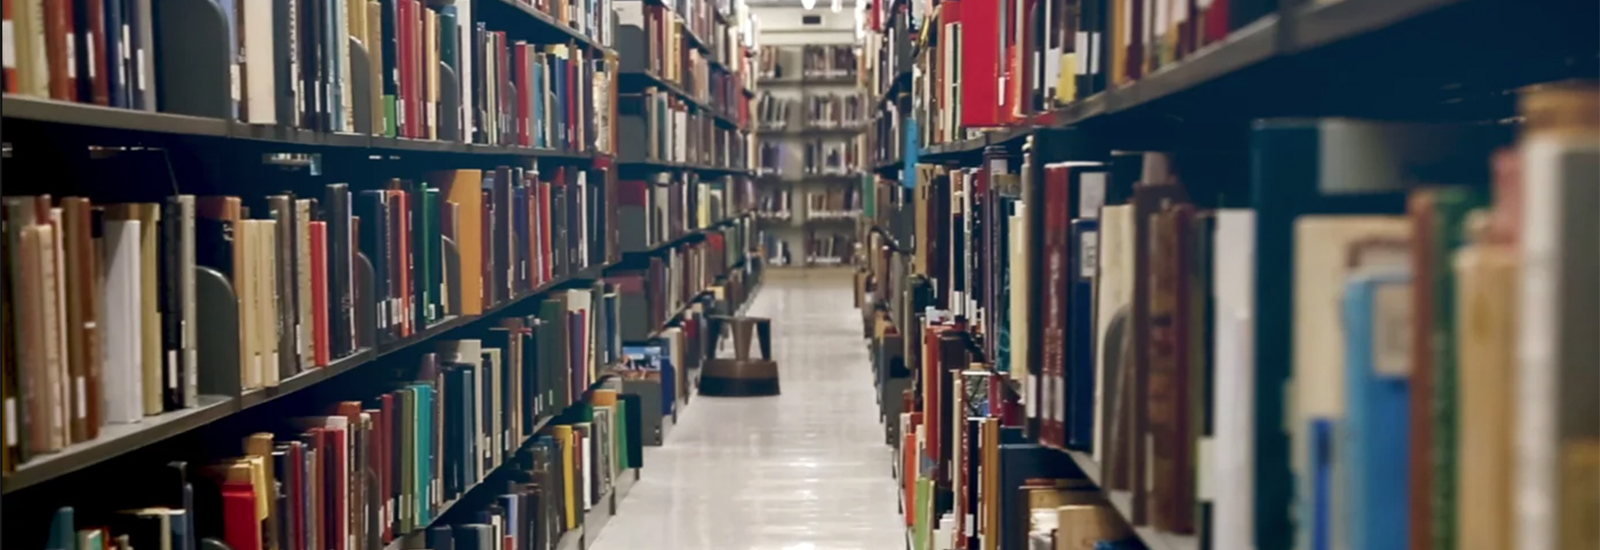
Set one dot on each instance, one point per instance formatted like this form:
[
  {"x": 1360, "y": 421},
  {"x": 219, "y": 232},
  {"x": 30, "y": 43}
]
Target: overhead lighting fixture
[
  {"x": 836, "y": 5},
  {"x": 808, "y": 3}
]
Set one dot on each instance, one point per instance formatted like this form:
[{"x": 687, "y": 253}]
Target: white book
[
  {"x": 341, "y": 38},
  {"x": 1113, "y": 295},
  {"x": 1558, "y": 434},
  {"x": 1231, "y": 472},
  {"x": 258, "y": 53},
  {"x": 61, "y": 388},
  {"x": 464, "y": 44},
  {"x": 302, "y": 273},
  {"x": 121, "y": 368}
]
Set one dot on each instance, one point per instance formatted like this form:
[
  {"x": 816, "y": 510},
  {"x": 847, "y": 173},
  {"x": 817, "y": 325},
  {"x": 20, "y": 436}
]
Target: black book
[
  {"x": 341, "y": 276},
  {"x": 177, "y": 218},
  {"x": 480, "y": 90},
  {"x": 558, "y": 228},
  {"x": 501, "y": 196},
  {"x": 573, "y": 238},
  {"x": 440, "y": 538},
  {"x": 454, "y": 445},
  {"x": 285, "y": 44}
]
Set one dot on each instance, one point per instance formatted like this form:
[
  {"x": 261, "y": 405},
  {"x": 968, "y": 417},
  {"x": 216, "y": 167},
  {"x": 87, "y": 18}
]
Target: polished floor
[{"x": 806, "y": 470}]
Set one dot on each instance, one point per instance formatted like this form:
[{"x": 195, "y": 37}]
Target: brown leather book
[
  {"x": 58, "y": 46},
  {"x": 1420, "y": 211},
  {"x": 83, "y": 334},
  {"x": 9, "y": 388},
  {"x": 1166, "y": 402},
  {"x": 1149, "y": 196}
]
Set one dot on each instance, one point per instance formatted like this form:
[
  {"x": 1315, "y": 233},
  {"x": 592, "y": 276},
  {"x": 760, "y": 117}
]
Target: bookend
[
  {"x": 217, "y": 337},
  {"x": 193, "y": 69},
  {"x": 451, "y": 255},
  {"x": 449, "y": 104},
  {"x": 361, "y": 88},
  {"x": 366, "y": 304}
]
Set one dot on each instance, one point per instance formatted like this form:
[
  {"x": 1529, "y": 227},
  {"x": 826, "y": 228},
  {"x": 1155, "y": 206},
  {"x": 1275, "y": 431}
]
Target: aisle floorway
[{"x": 806, "y": 470}]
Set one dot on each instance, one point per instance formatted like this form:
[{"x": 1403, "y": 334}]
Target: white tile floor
[{"x": 806, "y": 470}]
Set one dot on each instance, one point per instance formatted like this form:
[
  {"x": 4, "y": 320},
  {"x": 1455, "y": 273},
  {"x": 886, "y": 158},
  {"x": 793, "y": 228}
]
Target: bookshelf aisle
[
  {"x": 406, "y": 276},
  {"x": 1243, "y": 275},
  {"x": 810, "y": 117}
]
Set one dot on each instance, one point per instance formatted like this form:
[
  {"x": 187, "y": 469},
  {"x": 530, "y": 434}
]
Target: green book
[
  {"x": 620, "y": 419},
  {"x": 553, "y": 350},
  {"x": 428, "y": 268},
  {"x": 1444, "y": 230}
]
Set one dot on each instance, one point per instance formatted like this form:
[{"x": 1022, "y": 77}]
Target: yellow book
[
  {"x": 563, "y": 436},
  {"x": 1486, "y": 322}
]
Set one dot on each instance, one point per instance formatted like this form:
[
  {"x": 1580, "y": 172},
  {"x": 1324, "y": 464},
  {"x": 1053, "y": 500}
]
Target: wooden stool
[{"x": 741, "y": 375}]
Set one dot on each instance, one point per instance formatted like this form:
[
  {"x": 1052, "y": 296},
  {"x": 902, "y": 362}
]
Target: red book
[
  {"x": 1215, "y": 21},
  {"x": 319, "y": 293},
  {"x": 981, "y": 62},
  {"x": 335, "y": 446},
  {"x": 386, "y": 479},
  {"x": 58, "y": 38},
  {"x": 1054, "y": 289},
  {"x": 519, "y": 54},
  {"x": 91, "y": 36},
  {"x": 544, "y": 231},
  {"x": 240, "y": 528},
  {"x": 296, "y": 480}
]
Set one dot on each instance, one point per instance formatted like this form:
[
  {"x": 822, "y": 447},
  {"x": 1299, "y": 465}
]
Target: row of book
[
  {"x": 656, "y": 125},
  {"x": 674, "y": 205},
  {"x": 829, "y": 248},
  {"x": 815, "y": 61},
  {"x": 1044, "y": 505},
  {"x": 888, "y": 49},
  {"x": 370, "y": 472},
  {"x": 834, "y": 110},
  {"x": 891, "y": 131},
  {"x": 1050, "y": 55},
  {"x": 121, "y": 53},
  {"x": 775, "y": 250},
  {"x": 1253, "y": 373},
  {"x": 833, "y": 202},
  {"x": 776, "y": 203},
  {"x": 570, "y": 468},
  {"x": 772, "y": 112},
  {"x": 102, "y": 301},
  {"x": 657, "y": 291},
  {"x": 817, "y": 157},
  {"x": 653, "y": 41}
]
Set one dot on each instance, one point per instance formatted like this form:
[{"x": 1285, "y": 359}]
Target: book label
[
  {"x": 72, "y": 54},
  {"x": 172, "y": 369},
  {"x": 82, "y": 400},
  {"x": 11, "y": 407},
  {"x": 91, "y": 53},
  {"x": 10, "y": 63}
]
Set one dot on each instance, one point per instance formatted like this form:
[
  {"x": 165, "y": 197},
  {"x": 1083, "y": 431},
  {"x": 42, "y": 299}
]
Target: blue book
[
  {"x": 230, "y": 9},
  {"x": 909, "y": 171},
  {"x": 63, "y": 530},
  {"x": 1376, "y": 437},
  {"x": 538, "y": 94},
  {"x": 1319, "y": 516},
  {"x": 1080, "y": 333},
  {"x": 116, "y": 65},
  {"x": 425, "y": 458}
]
